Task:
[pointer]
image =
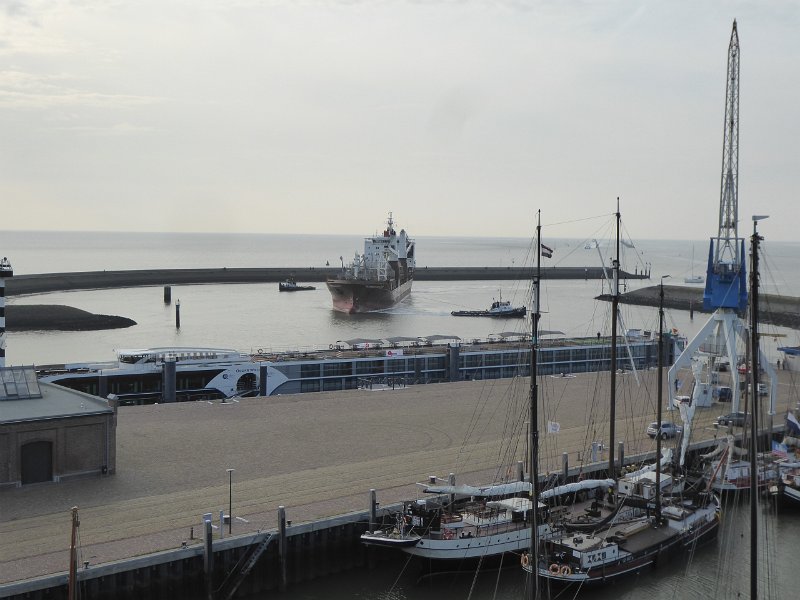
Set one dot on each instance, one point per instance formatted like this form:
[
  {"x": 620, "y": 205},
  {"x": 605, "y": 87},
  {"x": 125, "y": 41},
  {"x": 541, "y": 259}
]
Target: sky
[{"x": 461, "y": 117}]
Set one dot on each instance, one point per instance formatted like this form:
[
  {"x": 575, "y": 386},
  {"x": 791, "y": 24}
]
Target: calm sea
[{"x": 249, "y": 317}]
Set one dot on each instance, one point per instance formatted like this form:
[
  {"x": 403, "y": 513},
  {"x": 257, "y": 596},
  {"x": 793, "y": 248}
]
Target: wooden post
[
  {"x": 373, "y": 510},
  {"x": 282, "y": 547},
  {"x": 73, "y": 557},
  {"x": 208, "y": 555}
]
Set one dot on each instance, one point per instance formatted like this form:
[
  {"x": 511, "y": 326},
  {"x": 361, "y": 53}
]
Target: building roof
[{"x": 24, "y": 398}]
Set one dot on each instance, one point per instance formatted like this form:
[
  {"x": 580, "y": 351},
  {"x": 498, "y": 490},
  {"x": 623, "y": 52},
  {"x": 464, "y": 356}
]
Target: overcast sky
[{"x": 462, "y": 117}]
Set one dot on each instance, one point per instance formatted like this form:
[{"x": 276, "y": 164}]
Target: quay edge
[{"x": 312, "y": 550}]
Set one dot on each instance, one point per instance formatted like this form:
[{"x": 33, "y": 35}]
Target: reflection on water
[{"x": 717, "y": 570}]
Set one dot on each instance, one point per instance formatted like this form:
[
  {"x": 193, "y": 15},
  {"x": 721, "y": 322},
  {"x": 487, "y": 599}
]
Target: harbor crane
[{"x": 726, "y": 284}]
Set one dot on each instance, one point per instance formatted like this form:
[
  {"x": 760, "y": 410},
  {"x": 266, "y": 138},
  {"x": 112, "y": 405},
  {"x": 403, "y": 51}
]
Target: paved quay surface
[{"x": 318, "y": 454}]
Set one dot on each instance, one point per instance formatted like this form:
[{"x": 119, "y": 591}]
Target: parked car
[
  {"x": 668, "y": 430},
  {"x": 737, "y": 419}
]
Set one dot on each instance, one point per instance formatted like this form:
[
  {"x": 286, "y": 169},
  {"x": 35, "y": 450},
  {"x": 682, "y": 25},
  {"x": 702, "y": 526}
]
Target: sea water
[{"x": 250, "y": 317}]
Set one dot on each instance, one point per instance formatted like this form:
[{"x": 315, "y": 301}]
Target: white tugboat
[{"x": 380, "y": 277}]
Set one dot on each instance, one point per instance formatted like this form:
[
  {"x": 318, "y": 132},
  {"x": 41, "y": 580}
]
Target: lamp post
[{"x": 230, "y": 500}]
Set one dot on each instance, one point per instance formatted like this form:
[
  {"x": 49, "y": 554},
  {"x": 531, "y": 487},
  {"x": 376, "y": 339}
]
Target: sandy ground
[{"x": 317, "y": 454}]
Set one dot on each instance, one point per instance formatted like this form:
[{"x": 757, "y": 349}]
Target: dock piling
[
  {"x": 565, "y": 466},
  {"x": 282, "y": 547},
  {"x": 208, "y": 556},
  {"x": 621, "y": 453},
  {"x": 178, "y": 314},
  {"x": 373, "y": 509}
]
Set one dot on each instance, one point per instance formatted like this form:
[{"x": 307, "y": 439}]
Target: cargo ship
[{"x": 380, "y": 277}]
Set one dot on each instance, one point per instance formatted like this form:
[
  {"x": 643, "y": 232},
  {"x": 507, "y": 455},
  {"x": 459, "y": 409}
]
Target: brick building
[{"x": 51, "y": 433}]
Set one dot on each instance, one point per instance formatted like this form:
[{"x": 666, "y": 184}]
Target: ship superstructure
[{"x": 378, "y": 278}]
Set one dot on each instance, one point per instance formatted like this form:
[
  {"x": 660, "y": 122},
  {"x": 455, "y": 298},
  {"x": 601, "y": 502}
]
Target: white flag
[{"x": 553, "y": 427}]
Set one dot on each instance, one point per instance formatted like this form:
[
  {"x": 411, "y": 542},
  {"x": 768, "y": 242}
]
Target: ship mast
[
  {"x": 754, "y": 375},
  {"x": 614, "y": 311},
  {"x": 533, "y": 589}
]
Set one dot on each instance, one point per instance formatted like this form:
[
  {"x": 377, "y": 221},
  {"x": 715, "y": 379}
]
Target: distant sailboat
[{"x": 693, "y": 278}]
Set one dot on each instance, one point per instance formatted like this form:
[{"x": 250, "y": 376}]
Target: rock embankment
[
  {"x": 56, "y": 317},
  {"x": 783, "y": 311}
]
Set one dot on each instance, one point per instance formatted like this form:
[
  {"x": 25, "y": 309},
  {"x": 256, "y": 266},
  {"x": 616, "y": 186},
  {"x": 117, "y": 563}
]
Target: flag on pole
[
  {"x": 792, "y": 425},
  {"x": 553, "y": 427},
  {"x": 779, "y": 450},
  {"x": 547, "y": 251}
]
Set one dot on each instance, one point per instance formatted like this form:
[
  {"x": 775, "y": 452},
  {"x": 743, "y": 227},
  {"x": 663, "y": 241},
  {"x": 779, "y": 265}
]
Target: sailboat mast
[
  {"x": 754, "y": 369},
  {"x": 659, "y": 396},
  {"x": 614, "y": 310},
  {"x": 533, "y": 428}
]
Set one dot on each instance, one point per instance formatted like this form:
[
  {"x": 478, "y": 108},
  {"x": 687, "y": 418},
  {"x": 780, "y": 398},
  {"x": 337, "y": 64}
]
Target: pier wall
[
  {"x": 56, "y": 282},
  {"x": 312, "y": 550}
]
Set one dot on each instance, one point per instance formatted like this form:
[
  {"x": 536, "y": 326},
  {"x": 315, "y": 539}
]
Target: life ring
[
  {"x": 448, "y": 534},
  {"x": 565, "y": 570},
  {"x": 555, "y": 569},
  {"x": 330, "y": 346},
  {"x": 525, "y": 561},
  {"x": 260, "y": 351}
]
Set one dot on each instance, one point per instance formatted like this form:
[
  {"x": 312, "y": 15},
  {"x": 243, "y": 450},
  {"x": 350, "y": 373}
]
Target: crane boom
[{"x": 725, "y": 282}]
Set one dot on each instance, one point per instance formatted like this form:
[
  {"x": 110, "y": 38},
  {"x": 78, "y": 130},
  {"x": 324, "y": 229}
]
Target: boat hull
[
  {"x": 351, "y": 296},
  {"x": 634, "y": 562},
  {"x": 476, "y": 547},
  {"x": 508, "y": 314},
  {"x": 294, "y": 288}
]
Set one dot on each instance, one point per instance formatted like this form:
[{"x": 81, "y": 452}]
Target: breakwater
[
  {"x": 88, "y": 280},
  {"x": 783, "y": 311}
]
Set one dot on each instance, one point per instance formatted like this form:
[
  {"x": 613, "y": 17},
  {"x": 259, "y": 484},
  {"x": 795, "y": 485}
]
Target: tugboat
[
  {"x": 380, "y": 277},
  {"x": 499, "y": 308},
  {"x": 290, "y": 285}
]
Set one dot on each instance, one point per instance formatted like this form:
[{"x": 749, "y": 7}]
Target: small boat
[
  {"x": 693, "y": 278},
  {"x": 290, "y": 285},
  {"x": 499, "y": 308}
]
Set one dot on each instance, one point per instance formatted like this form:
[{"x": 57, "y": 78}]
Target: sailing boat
[
  {"x": 474, "y": 522},
  {"x": 636, "y": 526},
  {"x": 693, "y": 278}
]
